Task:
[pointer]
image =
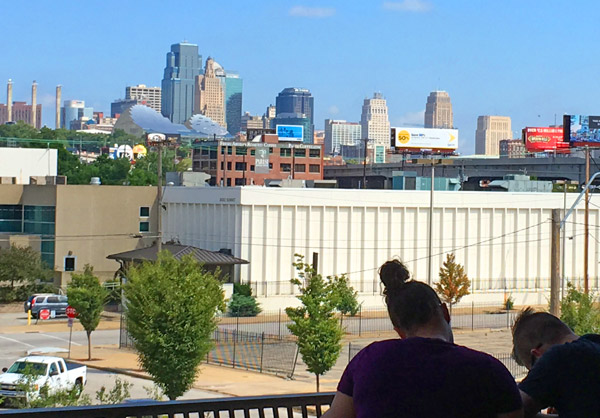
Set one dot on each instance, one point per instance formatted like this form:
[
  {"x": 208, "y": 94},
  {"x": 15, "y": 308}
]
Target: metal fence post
[
  {"x": 237, "y": 323},
  {"x": 507, "y": 317},
  {"x": 279, "y": 324},
  {"x": 262, "y": 350},
  {"x": 472, "y": 316},
  {"x": 234, "y": 346},
  {"x": 349, "y": 351},
  {"x": 359, "y": 319}
]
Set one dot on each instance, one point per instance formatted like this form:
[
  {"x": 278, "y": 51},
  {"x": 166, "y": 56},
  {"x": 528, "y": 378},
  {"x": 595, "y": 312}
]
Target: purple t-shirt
[{"x": 427, "y": 377}]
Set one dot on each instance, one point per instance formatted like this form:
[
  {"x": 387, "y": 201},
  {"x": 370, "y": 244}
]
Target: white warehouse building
[{"x": 502, "y": 239}]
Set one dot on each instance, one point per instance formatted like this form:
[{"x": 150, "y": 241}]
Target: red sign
[
  {"x": 71, "y": 312},
  {"x": 545, "y": 139},
  {"x": 44, "y": 314}
]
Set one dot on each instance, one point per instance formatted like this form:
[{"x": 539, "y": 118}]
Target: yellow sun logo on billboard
[{"x": 403, "y": 136}]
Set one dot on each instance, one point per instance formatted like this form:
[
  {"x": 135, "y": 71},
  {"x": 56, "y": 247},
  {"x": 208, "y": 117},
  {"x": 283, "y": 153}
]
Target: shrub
[
  {"x": 578, "y": 311},
  {"x": 509, "y": 303},
  {"x": 242, "y": 289},
  {"x": 242, "y": 305}
]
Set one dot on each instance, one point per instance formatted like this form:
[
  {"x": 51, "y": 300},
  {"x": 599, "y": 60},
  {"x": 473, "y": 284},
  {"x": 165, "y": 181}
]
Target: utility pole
[
  {"x": 364, "y": 185},
  {"x": 564, "y": 243},
  {"x": 430, "y": 243},
  {"x": 586, "y": 237},
  {"x": 159, "y": 198},
  {"x": 554, "y": 264}
]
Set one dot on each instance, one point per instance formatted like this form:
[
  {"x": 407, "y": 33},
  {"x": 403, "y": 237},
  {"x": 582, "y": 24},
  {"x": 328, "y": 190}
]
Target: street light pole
[
  {"x": 159, "y": 198},
  {"x": 364, "y": 185},
  {"x": 430, "y": 246}
]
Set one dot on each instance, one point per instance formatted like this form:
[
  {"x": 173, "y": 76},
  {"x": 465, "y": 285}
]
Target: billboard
[
  {"x": 379, "y": 154},
  {"x": 261, "y": 160},
  {"x": 582, "y": 130},
  {"x": 425, "y": 138},
  {"x": 290, "y": 132},
  {"x": 540, "y": 139}
]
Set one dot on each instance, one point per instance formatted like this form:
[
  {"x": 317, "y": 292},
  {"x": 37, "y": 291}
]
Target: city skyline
[{"x": 405, "y": 64}]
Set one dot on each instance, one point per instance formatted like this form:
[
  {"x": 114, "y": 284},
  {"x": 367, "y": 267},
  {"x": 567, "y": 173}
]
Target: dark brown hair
[
  {"x": 533, "y": 329},
  {"x": 410, "y": 304}
]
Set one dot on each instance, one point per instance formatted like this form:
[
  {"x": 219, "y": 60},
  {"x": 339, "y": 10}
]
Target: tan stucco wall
[{"x": 95, "y": 221}]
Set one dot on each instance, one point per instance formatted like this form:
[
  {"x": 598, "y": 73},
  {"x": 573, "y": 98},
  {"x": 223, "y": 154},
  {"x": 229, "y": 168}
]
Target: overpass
[{"x": 471, "y": 171}]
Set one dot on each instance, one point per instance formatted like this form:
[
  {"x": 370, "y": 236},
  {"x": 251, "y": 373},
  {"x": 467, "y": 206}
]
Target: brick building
[{"x": 236, "y": 163}]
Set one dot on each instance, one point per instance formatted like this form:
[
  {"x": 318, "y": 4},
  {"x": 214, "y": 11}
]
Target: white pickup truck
[{"x": 52, "y": 373}]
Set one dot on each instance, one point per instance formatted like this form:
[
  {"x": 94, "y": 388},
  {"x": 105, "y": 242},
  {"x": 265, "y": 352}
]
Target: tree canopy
[
  {"x": 313, "y": 323},
  {"x": 22, "y": 265},
  {"x": 171, "y": 309},
  {"x": 453, "y": 283},
  {"x": 88, "y": 297}
]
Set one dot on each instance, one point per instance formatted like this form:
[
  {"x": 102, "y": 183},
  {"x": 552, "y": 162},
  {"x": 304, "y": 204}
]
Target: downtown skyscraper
[
  {"x": 209, "y": 99},
  {"x": 438, "y": 111},
  {"x": 296, "y": 104},
  {"x": 177, "y": 95},
  {"x": 374, "y": 121}
]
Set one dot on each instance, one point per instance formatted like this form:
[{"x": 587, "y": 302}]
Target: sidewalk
[{"x": 239, "y": 382}]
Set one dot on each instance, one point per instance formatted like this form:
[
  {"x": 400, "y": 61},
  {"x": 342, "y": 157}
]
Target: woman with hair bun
[{"x": 422, "y": 374}]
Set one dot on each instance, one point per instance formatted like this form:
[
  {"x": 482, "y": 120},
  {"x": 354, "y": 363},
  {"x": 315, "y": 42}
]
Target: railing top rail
[{"x": 142, "y": 408}]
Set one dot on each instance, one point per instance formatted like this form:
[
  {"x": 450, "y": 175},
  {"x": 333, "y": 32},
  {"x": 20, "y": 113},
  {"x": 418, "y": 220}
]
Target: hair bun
[{"x": 393, "y": 275}]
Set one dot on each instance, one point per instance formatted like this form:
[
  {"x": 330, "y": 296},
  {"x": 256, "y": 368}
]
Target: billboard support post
[{"x": 430, "y": 223}]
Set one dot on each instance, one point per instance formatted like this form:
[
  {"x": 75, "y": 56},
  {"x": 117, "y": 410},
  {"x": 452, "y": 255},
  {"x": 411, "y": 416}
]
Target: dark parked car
[{"x": 56, "y": 303}]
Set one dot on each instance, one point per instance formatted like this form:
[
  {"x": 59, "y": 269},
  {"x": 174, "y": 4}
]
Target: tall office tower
[
  {"x": 118, "y": 107},
  {"x": 339, "y": 133},
  {"x": 177, "y": 94},
  {"x": 374, "y": 121},
  {"x": 490, "y": 131},
  {"x": 149, "y": 96},
  {"x": 268, "y": 117},
  {"x": 251, "y": 122},
  {"x": 209, "y": 97},
  {"x": 438, "y": 110},
  {"x": 296, "y": 101},
  {"x": 73, "y": 111},
  {"x": 232, "y": 87}
]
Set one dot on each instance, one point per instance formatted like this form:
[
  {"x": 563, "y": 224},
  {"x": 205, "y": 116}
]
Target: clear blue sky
[{"x": 528, "y": 60}]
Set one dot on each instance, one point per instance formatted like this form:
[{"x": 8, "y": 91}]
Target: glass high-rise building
[
  {"x": 297, "y": 101},
  {"x": 233, "y": 101},
  {"x": 340, "y": 134},
  {"x": 177, "y": 94}
]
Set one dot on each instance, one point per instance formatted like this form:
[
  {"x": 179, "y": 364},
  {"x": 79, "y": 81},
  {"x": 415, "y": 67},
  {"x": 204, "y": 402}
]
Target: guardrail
[{"x": 276, "y": 406}]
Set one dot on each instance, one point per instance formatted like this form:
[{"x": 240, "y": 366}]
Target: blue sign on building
[{"x": 290, "y": 132}]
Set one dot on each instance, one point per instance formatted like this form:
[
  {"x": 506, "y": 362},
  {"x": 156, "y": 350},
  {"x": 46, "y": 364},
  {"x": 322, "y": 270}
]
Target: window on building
[
  {"x": 253, "y": 151},
  {"x": 69, "y": 263},
  {"x": 228, "y": 182},
  {"x": 144, "y": 211},
  {"x": 240, "y": 166},
  {"x": 204, "y": 151},
  {"x": 251, "y": 168},
  {"x": 314, "y": 153},
  {"x": 11, "y": 218},
  {"x": 241, "y": 151},
  {"x": 300, "y": 152},
  {"x": 287, "y": 168},
  {"x": 285, "y": 152},
  {"x": 314, "y": 168},
  {"x": 144, "y": 226},
  {"x": 229, "y": 150},
  {"x": 213, "y": 154},
  {"x": 271, "y": 150},
  {"x": 270, "y": 166},
  {"x": 240, "y": 182},
  {"x": 229, "y": 165},
  {"x": 300, "y": 168}
]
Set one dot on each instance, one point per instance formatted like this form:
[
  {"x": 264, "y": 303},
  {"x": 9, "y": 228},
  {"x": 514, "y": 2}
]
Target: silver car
[{"x": 51, "y": 302}]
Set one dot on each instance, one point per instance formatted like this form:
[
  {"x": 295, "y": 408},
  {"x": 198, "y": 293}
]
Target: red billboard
[{"x": 544, "y": 139}]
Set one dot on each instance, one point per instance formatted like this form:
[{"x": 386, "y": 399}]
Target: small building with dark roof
[{"x": 210, "y": 260}]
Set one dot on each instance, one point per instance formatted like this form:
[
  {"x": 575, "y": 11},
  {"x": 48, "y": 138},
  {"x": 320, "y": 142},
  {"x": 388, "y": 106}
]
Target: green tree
[
  {"x": 579, "y": 312},
  {"x": 454, "y": 283},
  {"x": 88, "y": 297},
  {"x": 345, "y": 297},
  {"x": 22, "y": 265},
  {"x": 242, "y": 302},
  {"x": 313, "y": 323},
  {"x": 171, "y": 309}
]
